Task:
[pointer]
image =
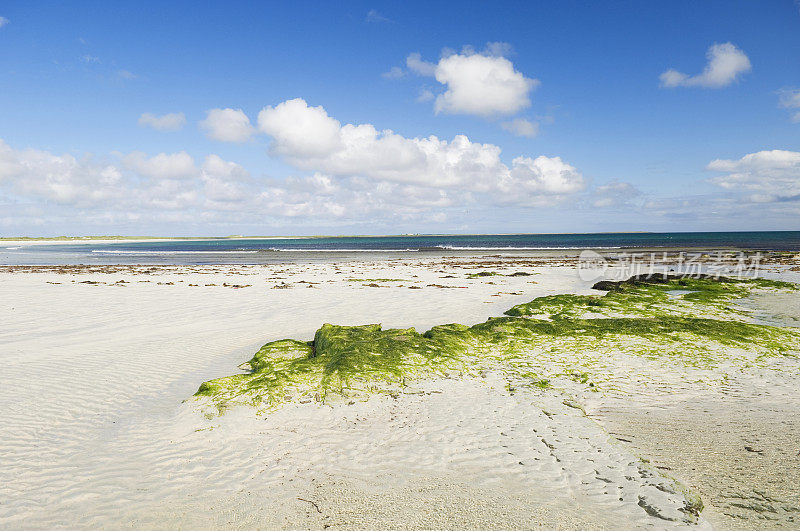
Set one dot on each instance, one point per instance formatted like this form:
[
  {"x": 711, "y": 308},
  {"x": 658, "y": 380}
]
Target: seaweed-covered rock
[
  {"x": 640, "y": 316},
  {"x": 638, "y": 280}
]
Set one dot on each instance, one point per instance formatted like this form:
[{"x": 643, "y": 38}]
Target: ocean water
[{"x": 274, "y": 250}]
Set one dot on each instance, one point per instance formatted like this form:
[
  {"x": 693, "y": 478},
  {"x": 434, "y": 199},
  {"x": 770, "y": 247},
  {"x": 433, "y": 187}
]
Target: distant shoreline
[
  {"x": 260, "y": 249},
  {"x": 133, "y": 239}
]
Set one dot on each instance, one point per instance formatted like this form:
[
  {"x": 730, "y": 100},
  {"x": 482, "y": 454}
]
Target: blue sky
[{"x": 577, "y": 129}]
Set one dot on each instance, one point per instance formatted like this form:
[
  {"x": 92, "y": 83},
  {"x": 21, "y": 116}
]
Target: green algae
[
  {"x": 483, "y": 274},
  {"x": 354, "y": 354},
  {"x": 650, "y": 296},
  {"x": 276, "y": 367},
  {"x": 496, "y": 274},
  {"x": 637, "y": 317}
]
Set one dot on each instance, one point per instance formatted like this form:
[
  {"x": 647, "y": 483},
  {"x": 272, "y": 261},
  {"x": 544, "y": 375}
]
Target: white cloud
[
  {"x": 766, "y": 175},
  {"x": 394, "y": 72},
  {"x": 165, "y": 122},
  {"x": 61, "y": 179},
  {"x": 309, "y": 139},
  {"x": 498, "y": 49},
  {"x": 725, "y": 64},
  {"x": 171, "y": 188},
  {"x": 138, "y": 186},
  {"x": 542, "y": 176},
  {"x": 359, "y": 174},
  {"x": 3, "y": 21},
  {"x": 162, "y": 166},
  {"x": 125, "y": 74},
  {"x": 227, "y": 125},
  {"x": 300, "y": 132},
  {"x": 790, "y": 99},
  {"x": 425, "y": 95},
  {"x": 415, "y": 63},
  {"x": 223, "y": 181},
  {"x": 672, "y": 78},
  {"x": 137, "y": 190},
  {"x": 614, "y": 194},
  {"x": 374, "y": 16},
  {"x": 322, "y": 195},
  {"x": 90, "y": 59},
  {"x": 521, "y": 127},
  {"x": 483, "y": 84}
]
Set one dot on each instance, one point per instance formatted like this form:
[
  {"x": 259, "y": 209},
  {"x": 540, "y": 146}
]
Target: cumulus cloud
[
  {"x": 521, "y": 127},
  {"x": 309, "y": 139},
  {"x": 166, "y": 122},
  {"x": 62, "y": 179},
  {"x": 415, "y": 63},
  {"x": 425, "y": 95},
  {"x": 482, "y": 85},
  {"x": 498, "y": 49},
  {"x": 540, "y": 181},
  {"x": 227, "y": 125},
  {"x": 172, "y": 187},
  {"x": 136, "y": 185},
  {"x": 767, "y": 176},
  {"x": 441, "y": 180},
  {"x": 394, "y": 72},
  {"x": 224, "y": 181},
  {"x": 355, "y": 173},
  {"x": 726, "y": 63},
  {"x": 479, "y": 83},
  {"x": 300, "y": 132},
  {"x": 321, "y": 194},
  {"x": 162, "y": 166},
  {"x": 790, "y": 99}
]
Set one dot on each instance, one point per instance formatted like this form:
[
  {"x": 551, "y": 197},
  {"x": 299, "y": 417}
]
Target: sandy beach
[
  {"x": 367, "y": 266},
  {"x": 100, "y": 428}
]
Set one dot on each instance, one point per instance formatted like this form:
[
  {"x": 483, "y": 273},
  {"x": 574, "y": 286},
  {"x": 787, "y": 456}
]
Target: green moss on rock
[
  {"x": 638, "y": 317},
  {"x": 652, "y": 296},
  {"x": 483, "y": 274}
]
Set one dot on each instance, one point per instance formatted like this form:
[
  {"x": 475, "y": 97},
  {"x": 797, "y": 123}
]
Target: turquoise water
[{"x": 245, "y": 250}]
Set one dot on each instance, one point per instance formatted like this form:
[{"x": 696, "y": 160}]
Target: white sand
[{"x": 94, "y": 433}]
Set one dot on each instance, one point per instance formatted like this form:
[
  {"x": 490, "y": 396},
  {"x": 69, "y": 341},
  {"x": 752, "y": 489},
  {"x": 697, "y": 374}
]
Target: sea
[{"x": 295, "y": 249}]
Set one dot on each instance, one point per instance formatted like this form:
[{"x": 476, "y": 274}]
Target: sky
[{"x": 219, "y": 118}]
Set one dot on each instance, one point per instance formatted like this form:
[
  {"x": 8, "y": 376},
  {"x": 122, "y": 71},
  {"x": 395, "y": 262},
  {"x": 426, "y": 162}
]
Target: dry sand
[{"x": 94, "y": 432}]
